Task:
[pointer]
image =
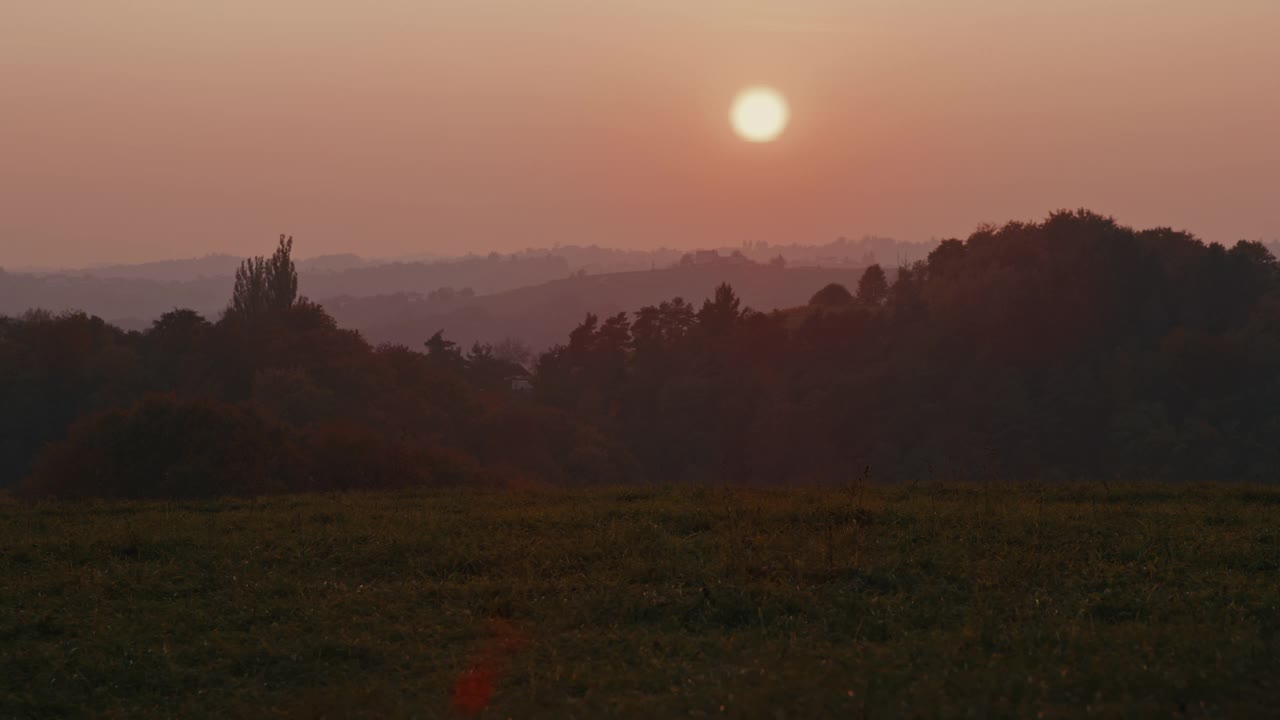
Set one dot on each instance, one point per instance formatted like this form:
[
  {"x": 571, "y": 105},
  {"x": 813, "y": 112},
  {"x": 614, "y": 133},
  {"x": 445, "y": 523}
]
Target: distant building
[{"x": 520, "y": 384}]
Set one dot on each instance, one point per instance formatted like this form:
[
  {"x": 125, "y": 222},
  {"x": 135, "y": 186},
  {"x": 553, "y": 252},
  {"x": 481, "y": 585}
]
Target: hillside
[
  {"x": 133, "y": 295},
  {"x": 131, "y": 303},
  {"x": 134, "y": 302},
  {"x": 544, "y": 314}
]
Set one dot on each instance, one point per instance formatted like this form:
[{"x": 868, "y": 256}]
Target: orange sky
[{"x": 146, "y": 129}]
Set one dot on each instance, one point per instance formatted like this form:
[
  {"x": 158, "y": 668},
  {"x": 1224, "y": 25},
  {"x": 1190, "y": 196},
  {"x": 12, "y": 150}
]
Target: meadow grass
[{"x": 939, "y": 600}]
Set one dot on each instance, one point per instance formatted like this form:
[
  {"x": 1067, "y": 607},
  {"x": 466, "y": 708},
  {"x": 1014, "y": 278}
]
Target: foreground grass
[{"x": 892, "y": 602}]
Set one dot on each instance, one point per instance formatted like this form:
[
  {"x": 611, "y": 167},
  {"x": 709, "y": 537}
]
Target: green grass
[{"x": 1021, "y": 601}]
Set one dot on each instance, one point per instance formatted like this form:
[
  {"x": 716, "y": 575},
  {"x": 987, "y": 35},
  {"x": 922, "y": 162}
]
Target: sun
[{"x": 759, "y": 114}]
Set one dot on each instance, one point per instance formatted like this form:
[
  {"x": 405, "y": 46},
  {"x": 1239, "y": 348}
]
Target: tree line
[
  {"x": 1071, "y": 348},
  {"x": 1064, "y": 349},
  {"x": 272, "y": 397}
]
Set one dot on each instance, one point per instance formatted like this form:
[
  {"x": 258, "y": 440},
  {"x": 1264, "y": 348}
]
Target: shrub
[
  {"x": 833, "y": 295},
  {"x": 165, "y": 447}
]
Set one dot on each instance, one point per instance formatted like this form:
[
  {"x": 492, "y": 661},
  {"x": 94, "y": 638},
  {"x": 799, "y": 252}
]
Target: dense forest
[{"x": 1074, "y": 348}]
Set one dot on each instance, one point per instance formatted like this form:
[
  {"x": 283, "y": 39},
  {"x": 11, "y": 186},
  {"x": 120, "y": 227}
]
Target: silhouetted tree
[
  {"x": 266, "y": 284},
  {"x": 444, "y": 353},
  {"x": 946, "y": 257},
  {"x": 873, "y": 287},
  {"x": 833, "y": 295},
  {"x": 719, "y": 313},
  {"x": 906, "y": 295}
]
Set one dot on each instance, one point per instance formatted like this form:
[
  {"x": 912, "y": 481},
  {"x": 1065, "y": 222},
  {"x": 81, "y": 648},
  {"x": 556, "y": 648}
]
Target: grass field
[{"x": 1020, "y": 601}]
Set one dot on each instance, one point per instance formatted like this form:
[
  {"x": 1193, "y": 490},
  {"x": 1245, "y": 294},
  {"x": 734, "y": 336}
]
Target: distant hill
[
  {"x": 183, "y": 270},
  {"x": 218, "y": 265},
  {"x": 489, "y": 274},
  {"x": 537, "y": 294},
  {"x": 130, "y": 303},
  {"x": 133, "y": 302},
  {"x": 543, "y": 315},
  {"x": 132, "y": 296},
  {"x": 841, "y": 252}
]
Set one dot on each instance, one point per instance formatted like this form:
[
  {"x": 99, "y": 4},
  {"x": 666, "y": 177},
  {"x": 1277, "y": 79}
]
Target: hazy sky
[{"x": 145, "y": 129}]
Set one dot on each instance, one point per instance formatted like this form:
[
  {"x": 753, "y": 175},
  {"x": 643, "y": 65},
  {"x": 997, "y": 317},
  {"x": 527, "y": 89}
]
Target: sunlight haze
[{"x": 136, "y": 130}]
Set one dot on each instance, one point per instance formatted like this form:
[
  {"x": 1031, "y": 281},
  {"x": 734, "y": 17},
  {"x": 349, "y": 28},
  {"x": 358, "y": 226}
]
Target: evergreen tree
[{"x": 873, "y": 288}]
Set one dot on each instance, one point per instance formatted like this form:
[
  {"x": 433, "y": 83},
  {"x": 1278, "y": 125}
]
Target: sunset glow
[
  {"x": 759, "y": 114},
  {"x": 140, "y": 130}
]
